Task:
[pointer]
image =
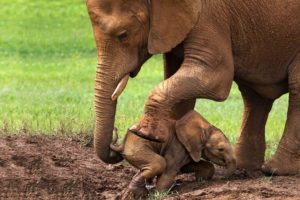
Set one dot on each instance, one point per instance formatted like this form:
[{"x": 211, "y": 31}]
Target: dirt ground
[{"x": 40, "y": 167}]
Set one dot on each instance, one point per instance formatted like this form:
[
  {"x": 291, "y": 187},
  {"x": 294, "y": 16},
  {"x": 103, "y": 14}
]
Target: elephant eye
[
  {"x": 122, "y": 37},
  {"x": 221, "y": 149}
]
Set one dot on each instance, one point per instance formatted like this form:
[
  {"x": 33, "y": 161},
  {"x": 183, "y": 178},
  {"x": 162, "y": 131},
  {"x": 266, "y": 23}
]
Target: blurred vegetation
[{"x": 47, "y": 70}]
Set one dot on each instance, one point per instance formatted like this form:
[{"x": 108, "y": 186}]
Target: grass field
[{"x": 47, "y": 69}]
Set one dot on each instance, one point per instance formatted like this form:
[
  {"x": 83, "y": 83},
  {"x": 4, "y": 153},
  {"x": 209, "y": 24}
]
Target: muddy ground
[{"x": 40, "y": 167}]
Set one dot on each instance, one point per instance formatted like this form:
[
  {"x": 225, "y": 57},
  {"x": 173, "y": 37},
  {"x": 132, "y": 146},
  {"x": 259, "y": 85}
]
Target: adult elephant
[{"x": 206, "y": 45}]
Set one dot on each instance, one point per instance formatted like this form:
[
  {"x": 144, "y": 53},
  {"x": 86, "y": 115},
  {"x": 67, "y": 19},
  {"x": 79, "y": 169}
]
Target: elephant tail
[
  {"x": 117, "y": 148},
  {"x": 114, "y": 146}
]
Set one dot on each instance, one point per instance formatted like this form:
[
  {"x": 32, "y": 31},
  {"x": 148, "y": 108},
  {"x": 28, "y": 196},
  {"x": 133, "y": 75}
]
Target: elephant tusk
[{"x": 120, "y": 88}]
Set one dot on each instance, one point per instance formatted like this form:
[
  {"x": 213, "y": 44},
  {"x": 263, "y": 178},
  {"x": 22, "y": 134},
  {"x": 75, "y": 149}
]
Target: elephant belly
[
  {"x": 264, "y": 45},
  {"x": 270, "y": 91},
  {"x": 266, "y": 71}
]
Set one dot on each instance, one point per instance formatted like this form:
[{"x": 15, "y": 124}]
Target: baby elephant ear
[
  {"x": 170, "y": 22},
  {"x": 190, "y": 133}
]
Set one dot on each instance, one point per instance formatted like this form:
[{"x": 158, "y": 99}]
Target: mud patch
[{"x": 42, "y": 167}]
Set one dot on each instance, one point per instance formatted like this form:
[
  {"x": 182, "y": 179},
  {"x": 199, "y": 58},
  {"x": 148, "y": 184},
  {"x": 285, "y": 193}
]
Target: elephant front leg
[
  {"x": 202, "y": 169},
  {"x": 172, "y": 62},
  {"x": 250, "y": 148},
  {"x": 165, "y": 181},
  {"x": 189, "y": 82},
  {"x": 286, "y": 160}
]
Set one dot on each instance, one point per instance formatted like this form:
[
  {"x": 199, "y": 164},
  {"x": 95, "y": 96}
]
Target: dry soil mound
[{"x": 43, "y": 167}]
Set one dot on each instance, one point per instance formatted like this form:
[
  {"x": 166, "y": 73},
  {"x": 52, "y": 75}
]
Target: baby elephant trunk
[{"x": 230, "y": 167}]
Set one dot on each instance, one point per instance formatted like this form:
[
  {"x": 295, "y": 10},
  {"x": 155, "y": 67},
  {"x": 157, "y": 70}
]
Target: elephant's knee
[
  {"x": 159, "y": 166},
  {"x": 220, "y": 89},
  {"x": 221, "y": 95}
]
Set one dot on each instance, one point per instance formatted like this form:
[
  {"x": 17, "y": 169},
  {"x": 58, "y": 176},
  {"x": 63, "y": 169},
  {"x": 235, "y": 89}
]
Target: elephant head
[
  {"x": 126, "y": 33},
  {"x": 202, "y": 140}
]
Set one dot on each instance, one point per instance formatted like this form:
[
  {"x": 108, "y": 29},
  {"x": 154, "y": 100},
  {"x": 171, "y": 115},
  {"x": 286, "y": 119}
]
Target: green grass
[
  {"x": 47, "y": 69},
  {"x": 157, "y": 195}
]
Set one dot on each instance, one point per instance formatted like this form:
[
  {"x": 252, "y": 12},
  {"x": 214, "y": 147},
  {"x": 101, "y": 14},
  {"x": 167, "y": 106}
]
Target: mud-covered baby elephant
[{"x": 192, "y": 139}]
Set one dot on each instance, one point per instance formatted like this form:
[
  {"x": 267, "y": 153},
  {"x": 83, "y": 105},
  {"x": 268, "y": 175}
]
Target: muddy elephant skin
[
  {"x": 206, "y": 45},
  {"x": 192, "y": 139}
]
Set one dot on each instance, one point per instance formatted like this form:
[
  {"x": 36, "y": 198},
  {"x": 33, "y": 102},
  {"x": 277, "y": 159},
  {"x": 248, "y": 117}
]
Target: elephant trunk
[
  {"x": 105, "y": 115},
  {"x": 230, "y": 167}
]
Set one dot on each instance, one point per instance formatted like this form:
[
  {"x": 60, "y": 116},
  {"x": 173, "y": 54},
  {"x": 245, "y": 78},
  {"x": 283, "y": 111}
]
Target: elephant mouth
[
  {"x": 210, "y": 157},
  {"x": 135, "y": 72},
  {"x": 123, "y": 83}
]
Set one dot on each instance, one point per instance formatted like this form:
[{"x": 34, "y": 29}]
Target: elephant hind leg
[
  {"x": 250, "y": 147},
  {"x": 150, "y": 165},
  {"x": 286, "y": 160}
]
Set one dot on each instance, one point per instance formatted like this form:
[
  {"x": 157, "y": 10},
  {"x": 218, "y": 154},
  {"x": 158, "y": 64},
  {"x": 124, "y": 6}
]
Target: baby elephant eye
[
  {"x": 122, "y": 37},
  {"x": 221, "y": 149}
]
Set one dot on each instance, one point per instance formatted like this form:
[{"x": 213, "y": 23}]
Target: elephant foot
[
  {"x": 153, "y": 128},
  {"x": 248, "y": 159},
  {"x": 281, "y": 166},
  {"x": 137, "y": 188},
  {"x": 128, "y": 194},
  {"x": 248, "y": 166},
  {"x": 205, "y": 175}
]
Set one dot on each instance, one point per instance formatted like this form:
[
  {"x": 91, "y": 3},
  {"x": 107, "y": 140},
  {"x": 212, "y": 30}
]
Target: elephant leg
[
  {"x": 202, "y": 169},
  {"x": 189, "y": 82},
  {"x": 172, "y": 63},
  {"x": 286, "y": 160},
  {"x": 150, "y": 165},
  {"x": 176, "y": 157},
  {"x": 165, "y": 180},
  {"x": 250, "y": 147}
]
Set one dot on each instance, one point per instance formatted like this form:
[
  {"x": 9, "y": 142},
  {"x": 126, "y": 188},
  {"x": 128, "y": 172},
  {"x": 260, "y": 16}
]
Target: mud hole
[{"x": 40, "y": 167}]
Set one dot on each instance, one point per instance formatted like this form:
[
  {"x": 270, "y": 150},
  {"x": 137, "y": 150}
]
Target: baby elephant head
[{"x": 202, "y": 140}]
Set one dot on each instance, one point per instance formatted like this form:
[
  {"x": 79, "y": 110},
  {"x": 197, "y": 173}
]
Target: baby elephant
[{"x": 192, "y": 138}]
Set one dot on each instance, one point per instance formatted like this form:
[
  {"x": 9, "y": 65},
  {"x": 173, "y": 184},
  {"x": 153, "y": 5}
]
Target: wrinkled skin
[
  {"x": 192, "y": 139},
  {"x": 206, "y": 45}
]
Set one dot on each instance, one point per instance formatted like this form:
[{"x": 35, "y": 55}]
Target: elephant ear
[
  {"x": 170, "y": 22},
  {"x": 190, "y": 133}
]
